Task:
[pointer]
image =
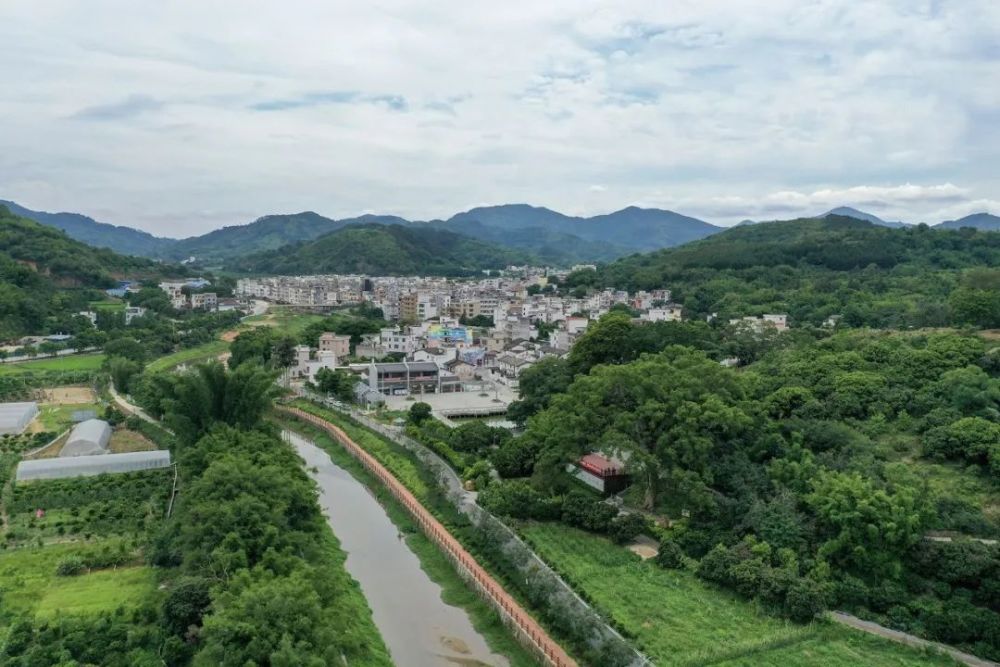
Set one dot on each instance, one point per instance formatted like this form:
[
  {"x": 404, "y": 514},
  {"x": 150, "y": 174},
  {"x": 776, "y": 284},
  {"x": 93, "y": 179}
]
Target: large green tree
[
  {"x": 209, "y": 394},
  {"x": 868, "y": 527},
  {"x": 675, "y": 411}
]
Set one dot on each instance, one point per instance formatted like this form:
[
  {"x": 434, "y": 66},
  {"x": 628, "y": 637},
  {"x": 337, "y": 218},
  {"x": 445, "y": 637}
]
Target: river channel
[{"x": 417, "y": 626}]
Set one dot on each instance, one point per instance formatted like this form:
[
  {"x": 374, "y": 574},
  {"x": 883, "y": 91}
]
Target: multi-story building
[
  {"x": 404, "y": 378},
  {"x": 667, "y": 313},
  {"x": 338, "y": 344},
  {"x": 204, "y": 300},
  {"x": 394, "y": 339}
]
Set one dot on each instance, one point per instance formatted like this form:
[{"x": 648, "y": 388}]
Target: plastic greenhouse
[
  {"x": 88, "y": 438},
  {"x": 82, "y": 466},
  {"x": 15, "y": 417}
]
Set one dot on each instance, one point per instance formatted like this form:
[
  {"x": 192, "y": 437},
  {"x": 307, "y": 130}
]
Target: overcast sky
[{"x": 178, "y": 117}]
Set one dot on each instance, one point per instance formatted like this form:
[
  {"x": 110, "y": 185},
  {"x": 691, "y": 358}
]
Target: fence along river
[{"x": 417, "y": 626}]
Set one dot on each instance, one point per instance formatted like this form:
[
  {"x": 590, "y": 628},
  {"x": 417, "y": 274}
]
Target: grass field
[
  {"x": 284, "y": 319},
  {"x": 30, "y": 584},
  {"x": 58, "y": 418},
  {"x": 678, "y": 620},
  {"x": 70, "y": 362},
  {"x": 107, "y": 305},
  {"x": 124, "y": 440},
  {"x": 204, "y": 352}
]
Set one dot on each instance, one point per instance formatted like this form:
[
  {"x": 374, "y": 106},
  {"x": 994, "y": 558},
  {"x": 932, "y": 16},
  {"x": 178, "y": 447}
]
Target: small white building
[
  {"x": 133, "y": 312},
  {"x": 15, "y": 417},
  {"x": 88, "y": 438},
  {"x": 306, "y": 366},
  {"x": 670, "y": 313}
]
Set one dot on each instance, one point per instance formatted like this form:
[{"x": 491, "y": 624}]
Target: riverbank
[{"x": 454, "y": 591}]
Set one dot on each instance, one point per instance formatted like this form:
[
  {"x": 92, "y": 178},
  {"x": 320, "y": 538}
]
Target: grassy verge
[
  {"x": 678, "y": 620},
  {"x": 70, "y": 362},
  {"x": 199, "y": 353},
  {"x": 454, "y": 591}
]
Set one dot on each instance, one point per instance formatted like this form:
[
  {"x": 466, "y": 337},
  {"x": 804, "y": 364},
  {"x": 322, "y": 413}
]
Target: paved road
[{"x": 39, "y": 357}]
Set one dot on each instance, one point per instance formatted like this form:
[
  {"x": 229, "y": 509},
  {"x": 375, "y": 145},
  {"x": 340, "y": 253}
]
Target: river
[{"x": 417, "y": 626}]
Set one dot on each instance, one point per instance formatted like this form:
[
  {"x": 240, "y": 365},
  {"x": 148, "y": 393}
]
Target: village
[{"x": 445, "y": 337}]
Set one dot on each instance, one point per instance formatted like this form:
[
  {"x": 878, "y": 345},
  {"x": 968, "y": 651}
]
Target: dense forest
[
  {"x": 812, "y": 269},
  {"x": 385, "y": 250},
  {"x": 44, "y": 274},
  {"x": 855, "y": 470}
]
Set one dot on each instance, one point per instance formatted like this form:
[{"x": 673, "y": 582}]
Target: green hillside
[
  {"x": 815, "y": 268},
  {"x": 384, "y": 250},
  {"x": 119, "y": 238},
  {"x": 267, "y": 233},
  {"x": 44, "y": 274}
]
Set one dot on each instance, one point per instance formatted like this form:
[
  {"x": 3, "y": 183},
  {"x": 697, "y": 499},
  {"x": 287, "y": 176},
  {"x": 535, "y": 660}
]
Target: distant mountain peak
[
  {"x": 850, "y": 212},
  {"x": 984, "y": 221}
]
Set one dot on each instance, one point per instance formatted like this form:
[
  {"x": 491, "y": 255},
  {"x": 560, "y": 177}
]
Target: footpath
[{"x": 909, "y": 640}]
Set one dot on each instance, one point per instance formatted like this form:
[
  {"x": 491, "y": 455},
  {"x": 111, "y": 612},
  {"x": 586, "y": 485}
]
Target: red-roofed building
[{"x": 604, "y": 473}]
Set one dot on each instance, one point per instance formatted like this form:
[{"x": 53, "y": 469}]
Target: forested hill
[
  {"x": 384, "y": 250},
  {"x": 44, "y": 273},
  {"x": 815, "y": 268},
  {"x": 119, "y": 238},
  {"x": 267, "y": 233}
]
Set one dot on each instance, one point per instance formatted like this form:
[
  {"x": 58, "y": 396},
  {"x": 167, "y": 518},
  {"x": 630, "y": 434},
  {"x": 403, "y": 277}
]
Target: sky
[{"x": 180, "y": 117}]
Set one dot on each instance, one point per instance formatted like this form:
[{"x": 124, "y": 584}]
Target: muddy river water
[{"x": 417, "y": 626}]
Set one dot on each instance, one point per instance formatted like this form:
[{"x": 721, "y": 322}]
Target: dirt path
[
  {"x": 128, "y": 408},
  {"x": 909, "y": 640}
]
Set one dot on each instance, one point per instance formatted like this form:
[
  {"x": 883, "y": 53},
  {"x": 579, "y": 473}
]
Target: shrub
[
  {"x": 582, "y": 511},
  {"x": 419, "y": 413},
  {"x": 804, "y": 600},
  {"x": 479, "y": 474},
  {"x": 515, "y": 457},
  {"x": 851, "y": 592},
  {"x": 70, "y": 566},
  {"x": 670, "y": 555},
  {"x": 186, "y": 604},
  {"x": 520, "y": 500},
  {"x": 627, "y": 527}
]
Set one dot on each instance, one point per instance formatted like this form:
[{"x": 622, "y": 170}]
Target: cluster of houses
[
  {"x": 489, "y": 329},
  {"x": 184, "y": 294},
  {"x": 189, "y": 294},
  {"x": 131, "y": 313}
]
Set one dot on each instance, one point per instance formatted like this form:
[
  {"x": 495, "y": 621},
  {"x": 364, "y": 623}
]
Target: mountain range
[
  {"x": 549, "y": 236},
  {"x": 384, "y": 249}
]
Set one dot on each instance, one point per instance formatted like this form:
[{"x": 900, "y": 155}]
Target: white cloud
[{"x": 177, "y": 117}]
